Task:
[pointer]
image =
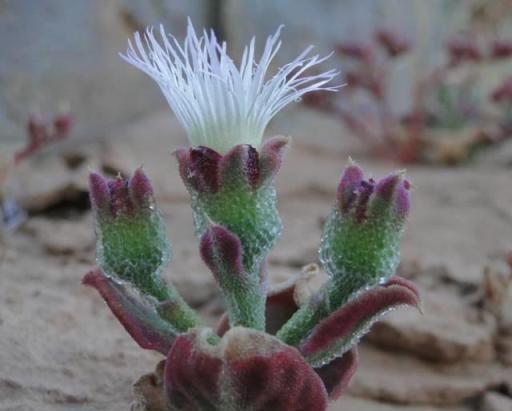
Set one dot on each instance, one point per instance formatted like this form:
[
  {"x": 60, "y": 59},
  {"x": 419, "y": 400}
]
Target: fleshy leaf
[
  {"x": 139, "y": 318},
  {"x": 339, "y": 332},
  {"x": 131, "y": 241},
  {"x": 221, "y": 250},
  {"x": 337, "y": 374},
  {"x": 246, "y": 370}
]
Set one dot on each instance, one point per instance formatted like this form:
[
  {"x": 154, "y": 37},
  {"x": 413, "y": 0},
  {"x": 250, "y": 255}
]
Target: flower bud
[
  {"x": 131, "y": 239},
  {"x": 235, "y": 190},
  {"x": 360, "y": 243}
]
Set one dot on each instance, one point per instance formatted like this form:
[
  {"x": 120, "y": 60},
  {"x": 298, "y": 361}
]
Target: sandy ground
[{"x": 61, "y": 349}]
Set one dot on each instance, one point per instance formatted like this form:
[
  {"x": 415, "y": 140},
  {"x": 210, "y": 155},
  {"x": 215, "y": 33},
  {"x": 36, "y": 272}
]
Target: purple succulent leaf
[
  {"x": 337, "y": 375},
  {"x": 221, "y": 251},
  {"x": 192, "y": 373},
  {"x": 342, "y": 329},
  {"x": 247, "y": 369},
  {"x": 271, "y": 157},
  {"x": 138, "y": 318}
]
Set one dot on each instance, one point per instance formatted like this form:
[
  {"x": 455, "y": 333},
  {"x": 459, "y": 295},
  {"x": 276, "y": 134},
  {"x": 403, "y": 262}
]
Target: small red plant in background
[
  {"x": 446, "y": 123},
  {"x": 40, "y": 134}
]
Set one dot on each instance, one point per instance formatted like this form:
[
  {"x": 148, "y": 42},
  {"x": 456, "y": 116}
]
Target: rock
[
  {"x": 63, "y": 237},
  {"x": 493, "y": 401},
  {"x": 402, "y": 379},
  {"x": 504, "y": 349},
  {"x": 448, "y": 331},
  {"x": 347, "y": 402}
]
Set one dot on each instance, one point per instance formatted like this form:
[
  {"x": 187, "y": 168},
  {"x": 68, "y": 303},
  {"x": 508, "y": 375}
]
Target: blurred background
[{"x": 428, "y": 86}]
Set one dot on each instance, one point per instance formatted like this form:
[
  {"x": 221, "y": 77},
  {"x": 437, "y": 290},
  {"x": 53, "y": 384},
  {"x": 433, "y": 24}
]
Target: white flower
[{"x": 219, "y": 104}]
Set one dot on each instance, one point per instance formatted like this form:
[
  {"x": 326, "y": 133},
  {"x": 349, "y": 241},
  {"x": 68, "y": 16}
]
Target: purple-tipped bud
[
  {"x": 221, "y": 251},
  {"x": 99, "y": 193},
  {"x": 140, "y": 189}
]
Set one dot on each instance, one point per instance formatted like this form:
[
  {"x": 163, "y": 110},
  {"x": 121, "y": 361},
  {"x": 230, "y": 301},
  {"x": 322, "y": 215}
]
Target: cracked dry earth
[{"x": 61, "y": 349}]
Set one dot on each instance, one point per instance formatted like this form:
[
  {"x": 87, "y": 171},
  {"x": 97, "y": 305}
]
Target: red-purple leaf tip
[
  {"x": 99, "y": 193},
  {"x": 203, "y": 169},
  {"x": 342, "y": 323},
  {"x": 403, "y": 282},
  {"x": 221, "y": 251},
  {"x": 241, "y": 163},
  {"x": 349, "y": 183},
  {"x": 140, "y": 189},
  {"x": 337, "y": 375},
  {"x": 271, "y": 157},
  {"x": 139, "y": 319}
]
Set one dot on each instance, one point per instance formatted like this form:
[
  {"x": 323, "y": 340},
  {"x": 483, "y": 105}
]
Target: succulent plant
[{"x": 275, "y": 349}]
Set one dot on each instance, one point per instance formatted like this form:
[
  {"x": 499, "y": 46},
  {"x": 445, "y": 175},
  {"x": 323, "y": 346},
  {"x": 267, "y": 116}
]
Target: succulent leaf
[
  {"x": 138, "y": 317},
  {"x": 246, "y": 370},
  {"x": 221, "y": 250},
  {"x": 339, "y": 332}
]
